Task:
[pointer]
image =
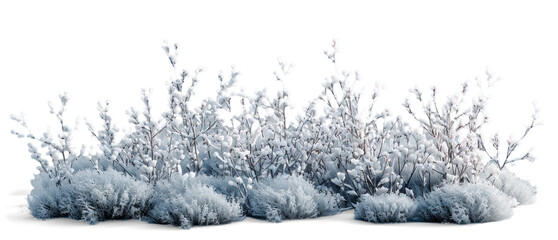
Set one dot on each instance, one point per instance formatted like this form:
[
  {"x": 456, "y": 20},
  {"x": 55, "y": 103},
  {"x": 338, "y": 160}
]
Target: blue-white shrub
[
  {"x": 45, "y": 198},
  {"x": 289, "y": 197},
  {"x": 516, "y": 187},
  {"x": 510, "y": 184},
  {"x": 385, "y": 208},
  {"x": 466, "y": 203},
  {"x": 90, "y": 196},
  {"x": 183, "y": 201}
]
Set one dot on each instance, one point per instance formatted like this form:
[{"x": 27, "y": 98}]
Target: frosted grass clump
[
  {"x": 289, "y": 197},
  {"x": 466, "y": 203},
  {"x": 184, "y": 202},
  {"x": 91, "y": 196},
  {"x": 385, "y": 208}
]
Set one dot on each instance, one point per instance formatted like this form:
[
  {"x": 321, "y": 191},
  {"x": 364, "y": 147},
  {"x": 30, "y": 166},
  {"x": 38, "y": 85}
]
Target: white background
[{"x": 107, "y": 50}]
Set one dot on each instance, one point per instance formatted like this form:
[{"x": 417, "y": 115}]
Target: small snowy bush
[
  {"x": 516, "y": 187},
  {"x": 385, "y": 208},
  {"x": 511, "y": 185},
  {"x": 91, "y": 196},
  {"x": 466, "y": 203},
  {"x": 289, "y": 197},
  {"x": 45, "y": 198},
  {"x": 184, "y": 202}
]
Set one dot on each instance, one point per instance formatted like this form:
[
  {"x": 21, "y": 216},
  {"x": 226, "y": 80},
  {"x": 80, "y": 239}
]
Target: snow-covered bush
[
  {"x": 45, "y": 200},
  {"x": 516, "y": 187},
  {"x": 110, "y": 155},
  {"x": 385, "y": 208},
  {"x": 61, "y": 153},
  {"x": 466, "y": 203},
  {"x": 184, "y": 202},
  {"x": 510, "y": 184},
  {"x": 91, "y": 196},
  {"x": 349, "y": 147},
  {"x": 289, "y": 197},
  {"x": 452, "y": 128}
]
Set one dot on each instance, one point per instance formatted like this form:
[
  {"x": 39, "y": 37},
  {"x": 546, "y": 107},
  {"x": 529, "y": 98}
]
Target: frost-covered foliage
[
  {"x": 466, "y": 203},
  {"x": 385, "y": 208},
  {"x": 60, "y": 153},
  {"x": 45, "y": 198},
  {"x": 91, "y": 197},
  {"x": 289, "y": 197},
  {"x": 243, "y": 146},
  {"x": 184, "y": 202},
  {"x": 233, "y": 188},
  {"x": 510, "y": 184}
]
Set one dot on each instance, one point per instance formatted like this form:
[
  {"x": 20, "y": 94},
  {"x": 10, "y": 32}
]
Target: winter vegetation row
[{"x": 218, "y": 162}]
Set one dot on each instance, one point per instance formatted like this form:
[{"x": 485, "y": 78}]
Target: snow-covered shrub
[
  {"x": 61, "y": 153},
  {"x": 264, "y": 144},
  {"x": 515, "y": 187},
  {"x": 289, "y": 197},
  {"x": 466, "y": 203},
  {"x": 349, "y": 147},
  {"x": 510, "y": 184},
  {"x": 45, "y": 199},
  {"x": 110, "y": 155},
  {"x": 184, "y": 202},
  {"x": 452, "y": 128},
  {"x": 385, "y": 208},
  {"x": 91, "y": 196}
]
